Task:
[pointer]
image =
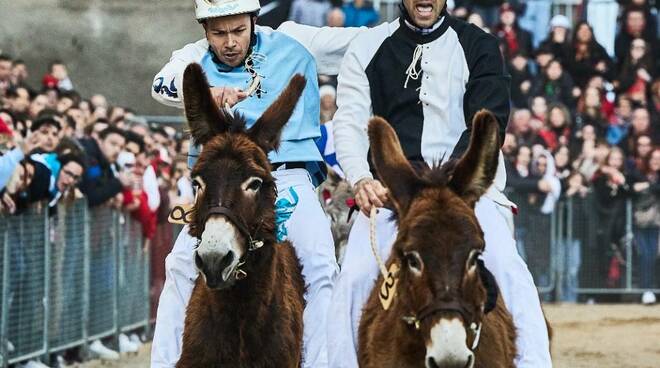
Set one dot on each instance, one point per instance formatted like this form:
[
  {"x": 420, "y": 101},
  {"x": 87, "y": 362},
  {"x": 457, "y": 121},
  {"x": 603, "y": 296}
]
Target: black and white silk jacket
[{"x": 428, "y": 87}]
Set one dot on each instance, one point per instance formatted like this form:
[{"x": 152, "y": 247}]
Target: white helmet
[{"x": 205, "y": 9}]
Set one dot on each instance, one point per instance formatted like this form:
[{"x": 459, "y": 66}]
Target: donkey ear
[
  {"x": 391, "y": 164},
  {"x": 204, "y": 117},
  {"x": 475, "y": 171},
  {"x": 266, "y": 131}
]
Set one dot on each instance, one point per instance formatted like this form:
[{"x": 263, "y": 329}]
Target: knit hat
[{"x": 560, "y": 21}]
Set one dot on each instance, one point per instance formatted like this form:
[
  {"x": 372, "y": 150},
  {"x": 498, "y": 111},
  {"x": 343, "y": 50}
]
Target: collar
[{"x": 424, "y": 35}]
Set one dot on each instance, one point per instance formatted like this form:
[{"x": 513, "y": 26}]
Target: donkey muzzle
[
  {"x": 448, "y": 346},
  {"x": 218, "y": 253}
]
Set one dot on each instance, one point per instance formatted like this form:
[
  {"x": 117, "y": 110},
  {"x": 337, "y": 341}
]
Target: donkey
[
  {"x": 246, "y": 309},
  {"x": 436, "y": 317}
]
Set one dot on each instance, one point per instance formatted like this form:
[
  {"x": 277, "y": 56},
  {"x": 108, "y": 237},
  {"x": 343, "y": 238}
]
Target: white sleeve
[
  {"x": 180, "y": 276},
  {"x": 167, "y": 84},
  {"x": 326, "y": 44},
  {"x": 352, "y": 117},
  {"x": 150, "y": 184}
]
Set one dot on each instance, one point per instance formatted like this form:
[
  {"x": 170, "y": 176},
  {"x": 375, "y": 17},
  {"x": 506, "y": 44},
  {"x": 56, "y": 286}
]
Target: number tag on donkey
[
  {"x": 388, "y": 288},
  {"x": 181, "y": 214}
]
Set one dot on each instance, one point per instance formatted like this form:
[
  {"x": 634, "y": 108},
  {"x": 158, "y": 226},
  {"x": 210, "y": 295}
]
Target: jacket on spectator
[
  {"x": 99, "y": 183},
  {"x": 359, "y": 17},
  {"x": 560, "y": 90},
  {"x": 517, "y": 40},
  {"x": 518, "y": 97},
  {"x": 8, "y": 164},
  {"x": 582, "y": 70},
  {"x": 560, "y": 51}
]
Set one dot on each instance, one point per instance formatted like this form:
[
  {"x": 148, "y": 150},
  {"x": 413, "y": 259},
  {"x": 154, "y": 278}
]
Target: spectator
[
  {"x": 611, "y": 191},
  {"x": 310, "y": 12},
  {"x": 539, "y": 107},
  {"x": 359, "y": 13},
  {"x": 521, "y": 128},
  {"x": 57, "y": 77},
  {"x": 478, "y": 21},
  {"x": 640, "y": 125},
  {"x": 555, "y": 85},
  {"x": 646, "y": 187},
  {"x": 101, "y": 182},
  {"x": 557, "y": 132},
  {"x": 654, "y": 101},
  {"x": 590, "y": 112},
  {"x": 39, "y": 103},
  {"x": 635, "y": 72},
  {"x": 635, "y": 25},
  {"x": 487, "y": 9},
  {"x": 571, "y": 249},
  {"x": 5, "y": 73},
  {"x": 19, "y": 74},
  {"x": 335, "y": 18},
  {"x": 587, "y": 57},
  {"x": 558, "y": 41},
  {"x": 47, "y": 128},
  {"x": 19, "y": 99},
  {"x": 521, "y": 80},
  {"x": 135, "y": 144},
  {"x": 517, "y": 40},
  {"x": 328, "y": 95}
]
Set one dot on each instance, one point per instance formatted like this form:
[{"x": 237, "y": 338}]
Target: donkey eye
[
  {"x": 414, "y": 261},
  {"x": 473, "y": 257},
  {"x": 255, "y": 185}
]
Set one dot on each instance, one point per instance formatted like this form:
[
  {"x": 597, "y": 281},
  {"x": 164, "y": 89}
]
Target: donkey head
[
  {"x": 439, "y": 241},
  {"x": 235, "y": 192}
]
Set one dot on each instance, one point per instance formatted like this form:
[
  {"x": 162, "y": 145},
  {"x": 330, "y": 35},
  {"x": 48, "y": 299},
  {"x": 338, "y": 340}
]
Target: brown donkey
[
  {"x": 436, "y": 317},
  {"x": 246, "y": 308}
]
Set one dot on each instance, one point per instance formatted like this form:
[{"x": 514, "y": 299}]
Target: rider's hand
[
  {"x": 227, "y": 95},
  {"x": 368, "y": 193}
]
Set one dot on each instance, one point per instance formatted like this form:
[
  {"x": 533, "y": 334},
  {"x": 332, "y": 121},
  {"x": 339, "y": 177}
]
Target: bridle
[
  {"x": 390, "y": 277},
  {"x": 437, "y": 306},
  {"x": 253, "y": 244}
]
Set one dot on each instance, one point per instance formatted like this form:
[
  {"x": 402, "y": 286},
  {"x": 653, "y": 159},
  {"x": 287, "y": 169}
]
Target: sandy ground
[{"x": 603, "y": 336}]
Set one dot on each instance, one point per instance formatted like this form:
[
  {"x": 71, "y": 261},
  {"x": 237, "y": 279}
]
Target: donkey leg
[
  {"x": 516, "y": 286},
  {"x": 308, "y": 229},
  {"x": 353, "y": 286}
]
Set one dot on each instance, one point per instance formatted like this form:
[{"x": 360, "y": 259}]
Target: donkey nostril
[
  {"x": 226, "y": 260},
  {"x": 430, "y": 363}
]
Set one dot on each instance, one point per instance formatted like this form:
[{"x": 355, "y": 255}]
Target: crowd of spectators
[{"x": 57, "y": 147}]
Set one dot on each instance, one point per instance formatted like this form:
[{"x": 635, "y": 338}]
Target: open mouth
[{"x": 424, "y": 10}]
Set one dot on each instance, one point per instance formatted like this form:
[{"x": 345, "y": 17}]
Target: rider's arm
[
  {"x": 352, "y": 116},
  {"x": 167, "y": 84},
  {"x": 327, "y": 44},
  {"x": 180, "y": 276},
  {"x": 488, "y": 86}
]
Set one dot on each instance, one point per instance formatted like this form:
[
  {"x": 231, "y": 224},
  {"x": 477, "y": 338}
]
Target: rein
[{"x": 388, "y": 291}]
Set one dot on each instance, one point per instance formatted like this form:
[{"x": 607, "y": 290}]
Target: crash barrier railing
[
  {"x": 68, "y": 279},
  {"x": 583, "y": 247}
]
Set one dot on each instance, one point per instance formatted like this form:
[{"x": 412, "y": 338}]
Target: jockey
[
  {"x": 247, "y": 66},
  {"x": 427, "y": 74}
]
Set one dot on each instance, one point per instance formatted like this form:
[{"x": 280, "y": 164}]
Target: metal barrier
[
  {"x": 583, "y": 247},
  {"x": 69, "y": 279},
  {"x": 536, "y": 235}
]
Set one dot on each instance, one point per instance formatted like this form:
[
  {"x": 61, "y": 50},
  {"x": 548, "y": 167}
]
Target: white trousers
[
  {"x": 359, "y": 272},
  {"x": 308, "y": 229}
]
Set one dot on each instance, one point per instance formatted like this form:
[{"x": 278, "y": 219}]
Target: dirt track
[{"x": 603, "y": 336}]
